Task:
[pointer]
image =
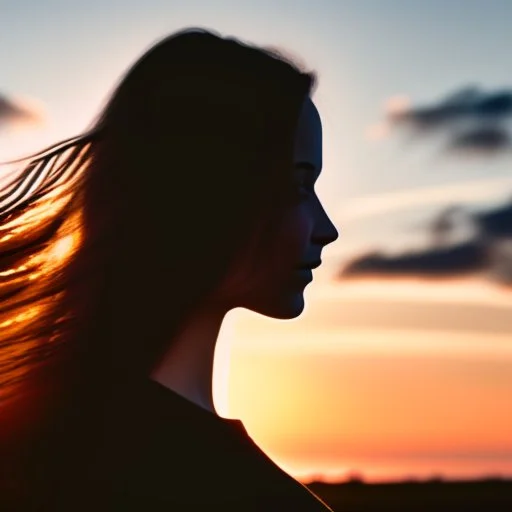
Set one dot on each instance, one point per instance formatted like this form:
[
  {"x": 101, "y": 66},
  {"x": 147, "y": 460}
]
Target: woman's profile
[{"x": 121, "y": 251}]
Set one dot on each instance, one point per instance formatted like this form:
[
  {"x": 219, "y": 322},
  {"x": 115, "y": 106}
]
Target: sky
[{"x": 385, "y": 377}]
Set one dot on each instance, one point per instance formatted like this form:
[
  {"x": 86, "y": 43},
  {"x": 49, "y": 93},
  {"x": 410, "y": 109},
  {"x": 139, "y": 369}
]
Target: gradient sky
[{"x": 383, "y": 378}]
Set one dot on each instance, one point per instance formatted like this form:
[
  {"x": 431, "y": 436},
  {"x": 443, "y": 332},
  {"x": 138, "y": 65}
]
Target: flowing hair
[{"x": 110, "y": 239}]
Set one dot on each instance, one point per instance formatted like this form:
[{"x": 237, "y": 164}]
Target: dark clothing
[
  {"x": 152, "y": 450},
  {"x": 184, "y": 458}
]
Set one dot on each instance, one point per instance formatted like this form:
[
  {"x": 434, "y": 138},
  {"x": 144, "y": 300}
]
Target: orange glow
[{"x": 326, "y": 399}]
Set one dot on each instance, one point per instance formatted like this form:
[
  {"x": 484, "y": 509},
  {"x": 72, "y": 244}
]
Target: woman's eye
[
  {"x": 303, "y": 190},
  {"x": 302, "y": 187}
]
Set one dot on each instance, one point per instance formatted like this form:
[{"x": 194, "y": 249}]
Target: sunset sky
[{"x": 388, "y": 378}]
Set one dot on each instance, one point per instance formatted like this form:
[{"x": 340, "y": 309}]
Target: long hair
[{"x": 110, "y": 239}]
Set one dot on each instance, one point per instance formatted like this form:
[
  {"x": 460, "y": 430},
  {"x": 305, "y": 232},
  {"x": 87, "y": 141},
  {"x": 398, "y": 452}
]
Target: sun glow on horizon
[{"x": 328, "y": 400}]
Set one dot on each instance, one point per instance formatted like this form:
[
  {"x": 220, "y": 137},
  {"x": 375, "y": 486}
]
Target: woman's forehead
[{"x": 308, "y": 142}]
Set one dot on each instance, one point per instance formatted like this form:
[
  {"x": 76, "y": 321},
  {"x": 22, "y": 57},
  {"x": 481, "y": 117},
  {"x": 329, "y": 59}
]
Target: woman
[{"x": 122, "y": 250}]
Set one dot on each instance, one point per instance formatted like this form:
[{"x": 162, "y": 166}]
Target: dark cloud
[
  {"x": 443, "y": 262},
  {"x": 481, "y": 253},
  {"x": 490, "y": 139},
  {"x": 497, "y": 105},
  {"x": 17, "y": 112},
  {"x": 474, "y": 120},
  {"x": 477, "y": 122},
  {"x": 496, "y": 223},
  {"x": 468, "y": 104}
]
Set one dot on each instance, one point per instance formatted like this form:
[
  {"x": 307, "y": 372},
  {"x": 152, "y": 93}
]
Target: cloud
[
  {"x": 444, "y": 262},
  {"x": 489, "y": 250},
  {"x": 21, "y": 112},
  {"x": 467, "y": 104},
  {"x": 496, "y": 222},
  {"x": 488, "y": 139},
  {"x": 474, "y": 120}
]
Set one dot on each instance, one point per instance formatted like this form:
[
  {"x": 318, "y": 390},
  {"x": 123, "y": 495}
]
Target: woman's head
[
  {"x": 202, "y": 138},
  {"x": 196, "y": 165}
]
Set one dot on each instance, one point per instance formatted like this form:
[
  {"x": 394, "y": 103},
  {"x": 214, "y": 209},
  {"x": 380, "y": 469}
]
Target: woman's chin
[{"x": 286, "y": 308}]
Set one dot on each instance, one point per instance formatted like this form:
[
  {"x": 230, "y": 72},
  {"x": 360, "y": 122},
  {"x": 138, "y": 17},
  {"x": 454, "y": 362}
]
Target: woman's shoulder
[{"x": 184, "y": 455}]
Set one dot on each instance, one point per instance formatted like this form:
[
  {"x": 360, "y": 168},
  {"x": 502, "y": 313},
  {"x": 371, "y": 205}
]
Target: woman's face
[{"x": 274, "y": 286}]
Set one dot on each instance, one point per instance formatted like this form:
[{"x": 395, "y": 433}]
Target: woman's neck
[{"x": 187, "y": 366}]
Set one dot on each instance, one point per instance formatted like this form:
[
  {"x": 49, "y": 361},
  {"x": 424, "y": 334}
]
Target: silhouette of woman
[{"x": 122, "y": 249}]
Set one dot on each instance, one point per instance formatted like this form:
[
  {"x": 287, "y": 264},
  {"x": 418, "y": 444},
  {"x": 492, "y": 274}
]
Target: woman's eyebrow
[{"x": 306, "y": 166}]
